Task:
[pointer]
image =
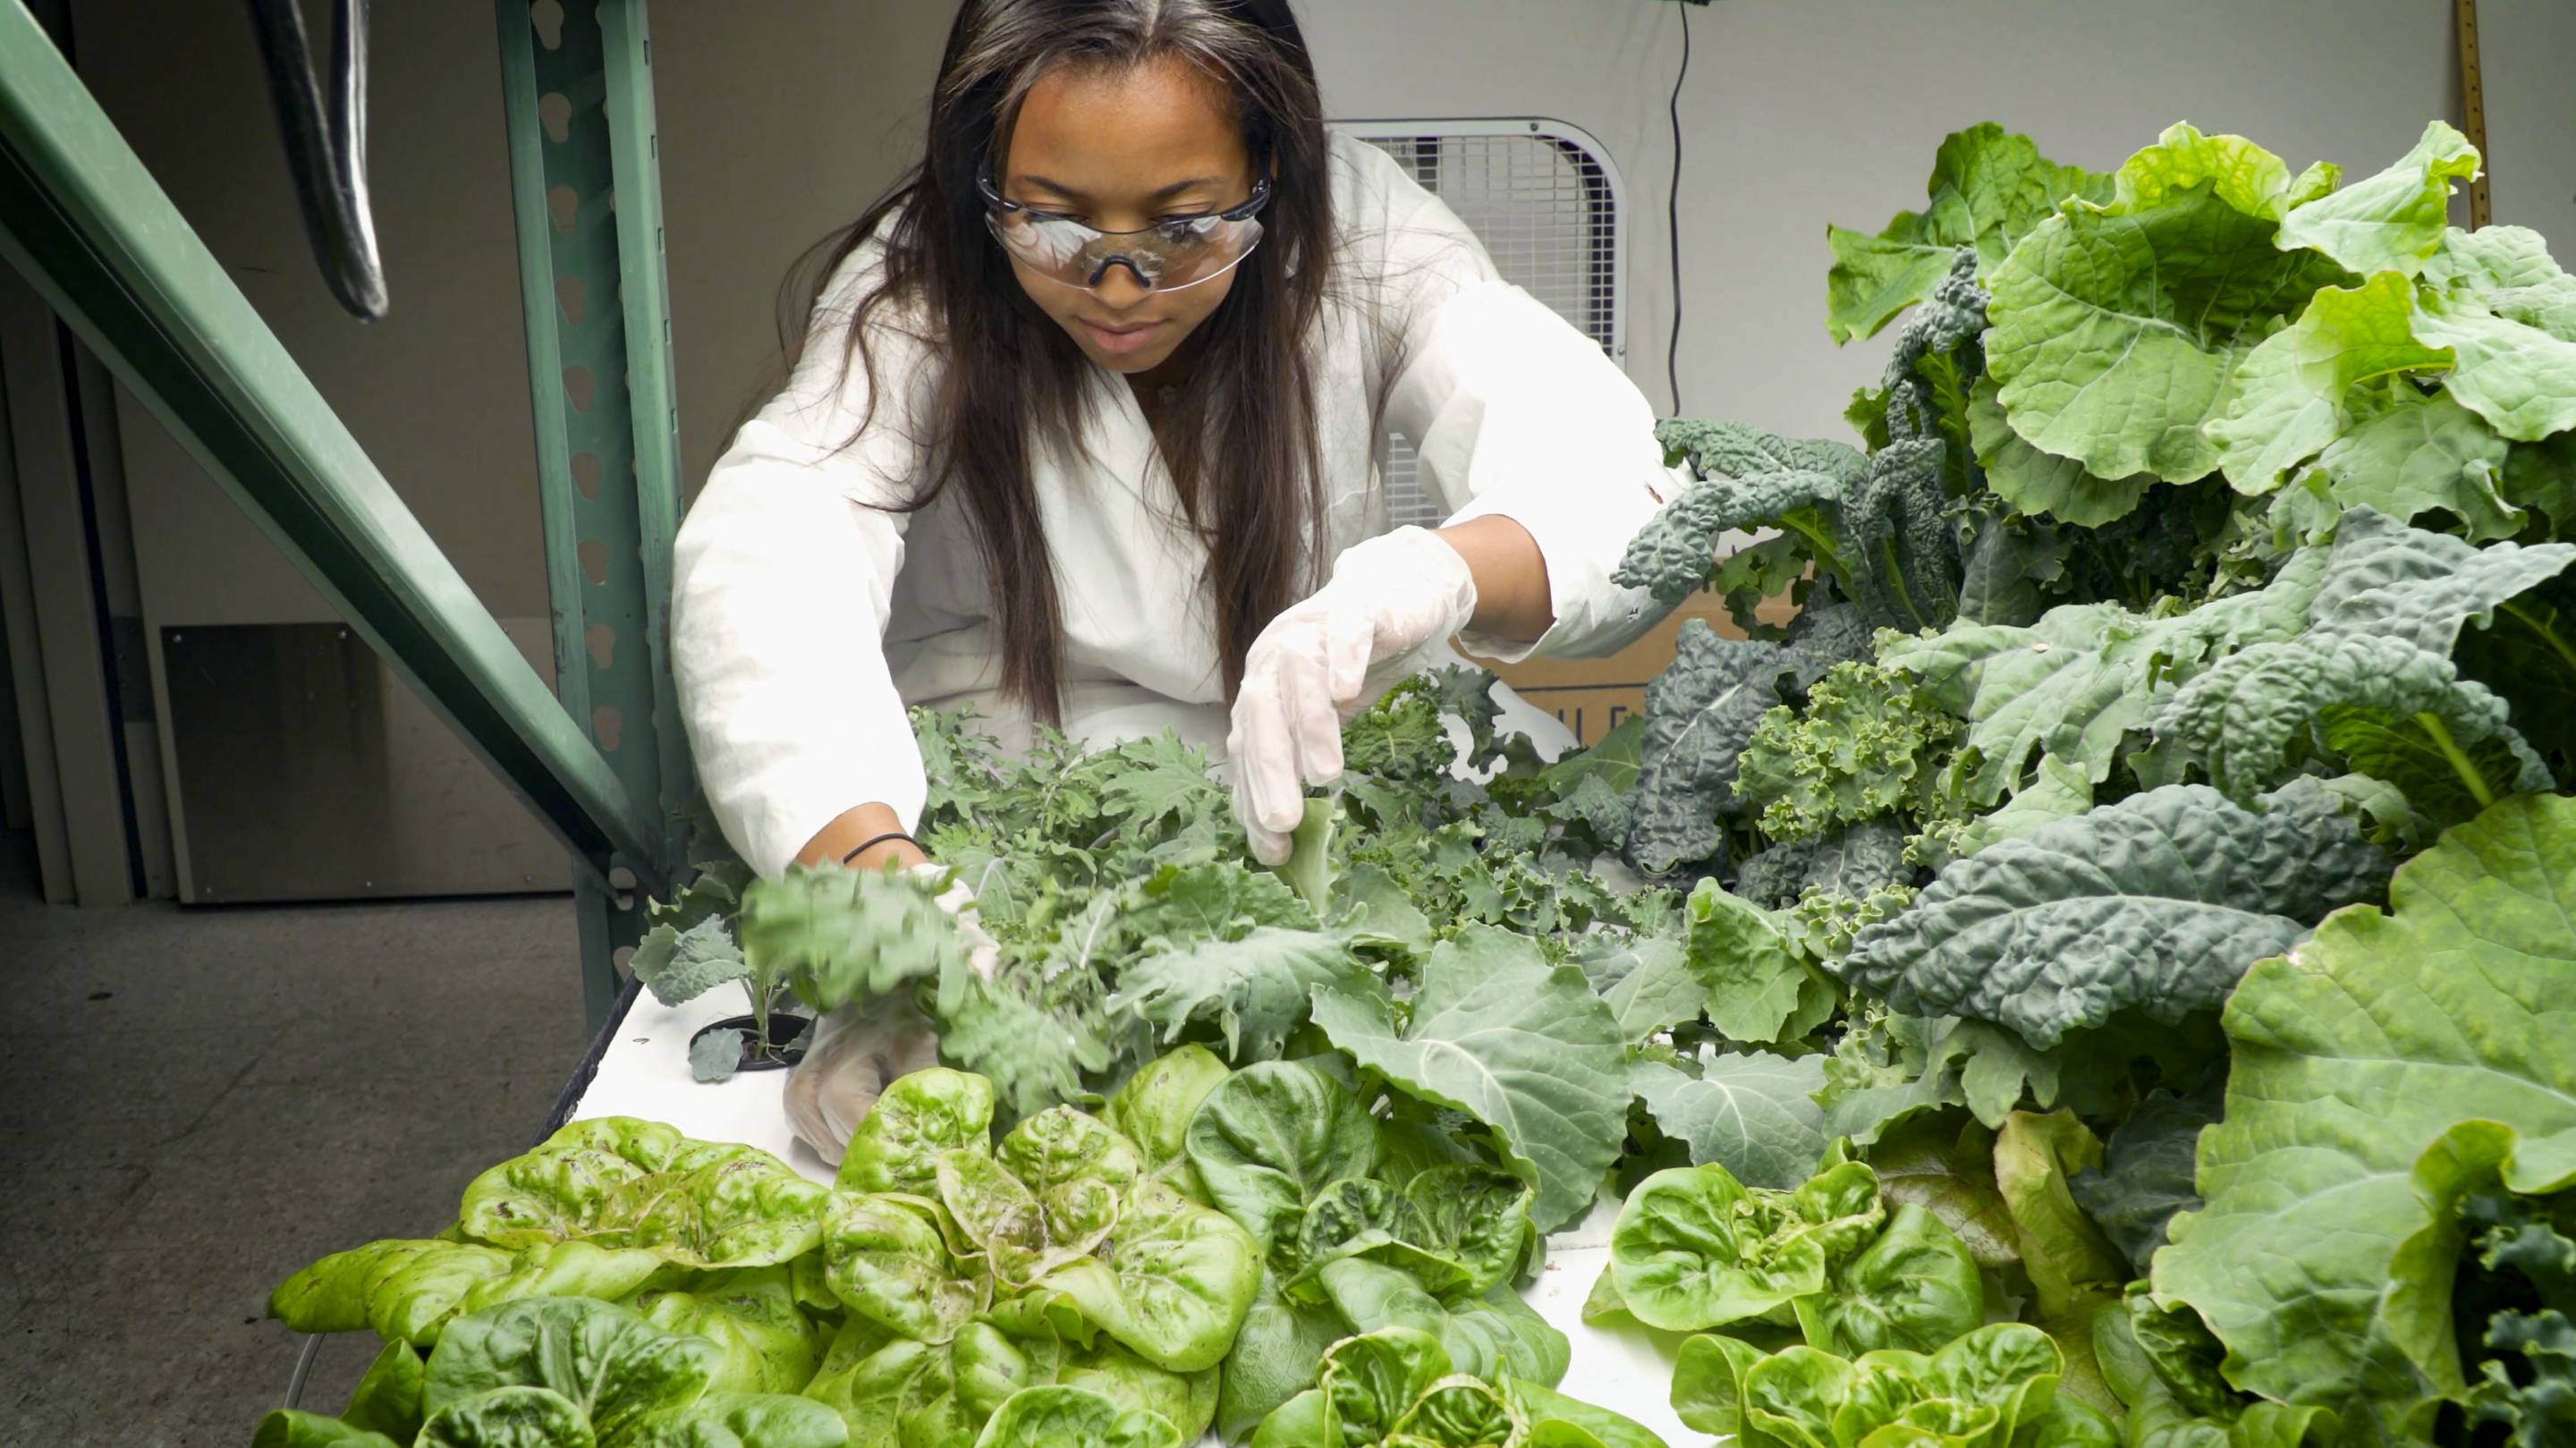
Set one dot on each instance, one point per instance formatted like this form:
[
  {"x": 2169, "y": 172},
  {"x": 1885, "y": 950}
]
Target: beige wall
[
  {"x": 775, "y": 131},
  {"x": 781, "y": 119},
  {"x": 437, "y": 392},
  {"x": 1800, "y": 112},
  {"x": 2529, "y": 50}
]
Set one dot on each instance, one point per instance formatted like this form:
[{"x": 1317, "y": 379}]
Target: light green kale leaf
[
  {"x": 1646, "y": 981},
  {"x": 2155, "y": 904},
  {"x": 2516, "y": 351},
  {"x": 1519, "y": 1045},
  {"x": 1253, "y": 991},
  {"x": 1159, "y": 781},
  {"x": 1399, "y": 737},
  {"x": 2387, "y": 1068},
  {"x": 1867, "y": 744},
  {"x": 681, "y": 965},
  {"x": 1989, "y": 186},
  {"x": 839, "y": 935},
  {"x": 1179, "y": 905},
  {"x": 2411, "y": 452},
  {"x": 1036, "y": 1052},
  {"x": 2118, "y": 328},
  {"x": 1756, "y": 988},
  {"x": 1754, "y": 1114}
]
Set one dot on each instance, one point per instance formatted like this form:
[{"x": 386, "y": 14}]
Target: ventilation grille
[{"x": 1547, "y": 203}]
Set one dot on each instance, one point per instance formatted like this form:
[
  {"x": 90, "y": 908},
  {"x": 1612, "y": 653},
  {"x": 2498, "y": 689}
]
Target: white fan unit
[{"x": 1547, "y": 202}]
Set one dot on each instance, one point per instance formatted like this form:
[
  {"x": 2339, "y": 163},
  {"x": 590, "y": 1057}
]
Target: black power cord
[{"x": 1673, "y": 216}]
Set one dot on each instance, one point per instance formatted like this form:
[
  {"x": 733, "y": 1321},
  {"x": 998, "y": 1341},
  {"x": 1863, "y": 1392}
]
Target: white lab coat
[{"x": 805, "y": 616}]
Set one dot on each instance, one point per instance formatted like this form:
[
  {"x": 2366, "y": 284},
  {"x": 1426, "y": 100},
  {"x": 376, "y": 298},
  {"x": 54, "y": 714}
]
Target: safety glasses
[{"x": 1166, "y": 256}]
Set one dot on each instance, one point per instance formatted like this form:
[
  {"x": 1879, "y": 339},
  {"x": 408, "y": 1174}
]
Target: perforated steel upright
[{"x": 585, "y": 181}]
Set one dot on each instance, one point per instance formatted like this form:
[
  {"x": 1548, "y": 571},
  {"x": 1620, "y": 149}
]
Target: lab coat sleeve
[
  {"x": 782, "y": 582},
  {"x": 1513, "y": 413}
]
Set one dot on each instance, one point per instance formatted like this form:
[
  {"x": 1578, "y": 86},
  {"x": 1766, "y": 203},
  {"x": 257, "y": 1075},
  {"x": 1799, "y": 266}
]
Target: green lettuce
[
  {"x": 1154, "y": 1110},
  {"x": 1359, "y": 1232},
  {"x": 1996, "y": 1385},
  {"x": 1399, "y": 1387},
  {"x": 1695, "y": 1248},
  {"x": 1071, "y": 1417},
  {"x": 620, "y": 1182}
]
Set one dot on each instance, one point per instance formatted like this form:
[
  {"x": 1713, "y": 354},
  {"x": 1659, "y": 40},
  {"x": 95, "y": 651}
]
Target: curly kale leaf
[
  {"x": 1467, "y": 693},
  {"x": 1824, "y": 923},
  {"x": 1700, "y": 711},
  {"x": 839, "y": 936},
  {"x": 1867, "y": 744},
  {"x": 2156, "y": 904},
  {"x": 1399, "y": 738}
]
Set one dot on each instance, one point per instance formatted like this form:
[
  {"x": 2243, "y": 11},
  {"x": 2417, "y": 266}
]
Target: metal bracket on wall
[
  {"x": 84, "y": 222},
  {"x": 585, "y": 180}
]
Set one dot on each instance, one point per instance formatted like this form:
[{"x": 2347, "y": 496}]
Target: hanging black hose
[{"x": 326, "y": 144}]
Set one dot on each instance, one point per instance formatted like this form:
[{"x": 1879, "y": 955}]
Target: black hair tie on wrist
[{"x": 874, "y": 841}]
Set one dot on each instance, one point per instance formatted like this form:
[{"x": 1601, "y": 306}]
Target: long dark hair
[{"x": 1239, "y": 441}]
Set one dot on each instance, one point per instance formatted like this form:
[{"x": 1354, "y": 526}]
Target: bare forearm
[
  {"x": 1512, "y": 597},
  {"x": 855, "y": 827}
]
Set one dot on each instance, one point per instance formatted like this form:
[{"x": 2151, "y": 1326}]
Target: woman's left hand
[{"x": 1388, "y": 597}]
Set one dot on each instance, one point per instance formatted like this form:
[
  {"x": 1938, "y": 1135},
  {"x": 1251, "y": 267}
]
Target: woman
[{"x": 1084, "y": 430}]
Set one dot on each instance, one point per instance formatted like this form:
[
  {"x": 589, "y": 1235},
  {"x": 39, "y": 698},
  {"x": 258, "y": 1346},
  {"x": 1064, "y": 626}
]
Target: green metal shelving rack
[{"x": 601, "y": 760}]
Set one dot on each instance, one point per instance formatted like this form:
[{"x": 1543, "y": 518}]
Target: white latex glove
[
  {"x": 983, "y": 956},
  {"x": 1388, "y": 597},
  {"x": 862, "y": 1047}
]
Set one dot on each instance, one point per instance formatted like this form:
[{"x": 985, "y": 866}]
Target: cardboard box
[{"x": 1592, "y": 696}]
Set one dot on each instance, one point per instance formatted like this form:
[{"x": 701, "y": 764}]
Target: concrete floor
[{"x": 195, "y": 1103}]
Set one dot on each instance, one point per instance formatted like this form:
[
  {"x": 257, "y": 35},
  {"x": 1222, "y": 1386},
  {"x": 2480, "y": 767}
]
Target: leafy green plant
[
  {"x": 2417, "y": 1054},
  {"x": 570, "y": 1372},
  {"x": 1395, "y": 1386},
  {"x": 1360, "y": 1231}
]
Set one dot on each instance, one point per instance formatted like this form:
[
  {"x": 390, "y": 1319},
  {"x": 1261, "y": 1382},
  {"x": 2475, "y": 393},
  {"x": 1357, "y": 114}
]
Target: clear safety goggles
[{"x": 1166, "y": 256}]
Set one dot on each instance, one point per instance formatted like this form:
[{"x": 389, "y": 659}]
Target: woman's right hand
[{"x": 863, "y": 1047}]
